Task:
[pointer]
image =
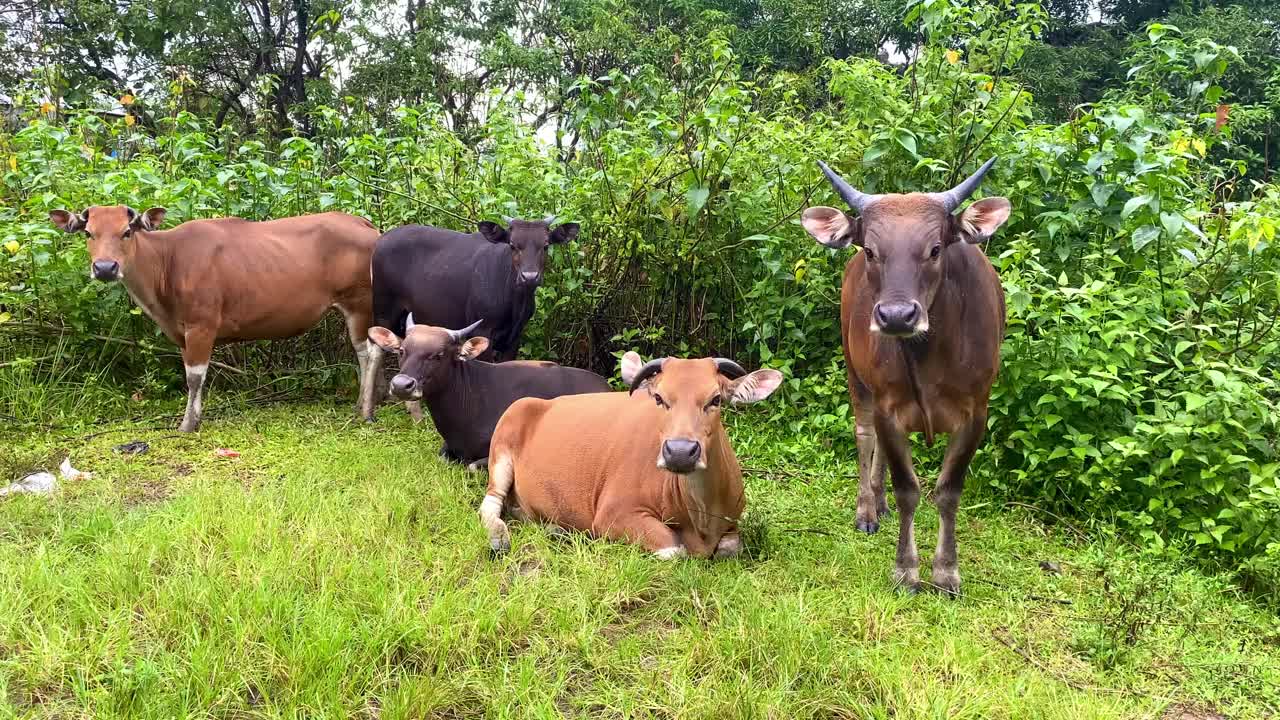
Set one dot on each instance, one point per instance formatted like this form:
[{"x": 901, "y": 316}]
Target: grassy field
[{"x": 338, "y": 570}]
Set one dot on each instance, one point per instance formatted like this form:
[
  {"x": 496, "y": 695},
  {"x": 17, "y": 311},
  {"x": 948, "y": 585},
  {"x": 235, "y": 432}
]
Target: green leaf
[
  {"x": 1173, "y": 223},
  {"x": 1132, "y": 205},
  {"x": 1101, "y": 193},
  {"x": 874, "y": 151},
  {"x": 906, "y": 139},
  {"x": 1143, "y": 236},
  {"x": 1195, "y": 401},
  {"x": 697, "y": 197}
]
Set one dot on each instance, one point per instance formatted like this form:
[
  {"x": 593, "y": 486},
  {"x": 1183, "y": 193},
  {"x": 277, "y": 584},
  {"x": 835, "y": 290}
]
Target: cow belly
[{"x": 946, "y": 414}]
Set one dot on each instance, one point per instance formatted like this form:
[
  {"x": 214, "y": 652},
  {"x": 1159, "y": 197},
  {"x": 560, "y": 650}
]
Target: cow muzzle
[
  {"x": 682, "y": 456},
  {"x": 106, "y": 270},
  {"x": 405, "y": 387},
  {"x": 899, "y": 319},
  {"x": 530, "y": 278}
]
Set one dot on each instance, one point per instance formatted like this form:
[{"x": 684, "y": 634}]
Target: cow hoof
[
  {"x": 869, "y": 527},
  {"x": 947, "y": 583},
  {"x": 498, "y": 548},
  {"x": 906, "y": 581},
  {"x": 186, "y": 428}
]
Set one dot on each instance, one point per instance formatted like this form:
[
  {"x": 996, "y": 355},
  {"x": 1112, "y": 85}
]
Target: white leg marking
[
  {"x": 372, "y": 364},
  {"x": 670, "y": 553},
  {"x": 195, "y": 397},
  {"x": 501, "y": 477}
]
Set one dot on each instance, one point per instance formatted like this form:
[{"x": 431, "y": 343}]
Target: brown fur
[
  {"x": 934, "y": 376},
  {"x": 590, "y": 463},
  {"x": 209, "y": 282}
]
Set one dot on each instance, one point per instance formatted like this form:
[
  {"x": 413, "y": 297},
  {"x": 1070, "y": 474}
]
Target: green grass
[{"x": 338, "y": 570}]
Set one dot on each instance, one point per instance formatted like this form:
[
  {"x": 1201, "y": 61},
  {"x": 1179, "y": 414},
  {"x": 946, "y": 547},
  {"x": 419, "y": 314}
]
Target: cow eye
[
  {"x": 871, "y": 256},
  {"x": 661, "y": 403},
  {"x": 714, "y": 401},
  {"x": 935, "y": 252}
]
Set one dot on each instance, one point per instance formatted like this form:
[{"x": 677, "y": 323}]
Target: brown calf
[
  {"x": 208, "y": 282},
  {"x": 923, "y": 315},
  {"x": 653, "y": 466}
]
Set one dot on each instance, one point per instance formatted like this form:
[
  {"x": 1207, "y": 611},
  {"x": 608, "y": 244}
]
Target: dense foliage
[{"x": 1139, "y": 378}]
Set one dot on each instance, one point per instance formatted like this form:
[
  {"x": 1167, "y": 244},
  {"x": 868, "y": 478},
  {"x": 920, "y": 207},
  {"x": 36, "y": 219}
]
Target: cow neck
[
  {"x": 712, "y": 496},
  {"x": 453, "y": 400},
  {"x": 147, "y": 276},
  {"x": 947, "y": 303}
]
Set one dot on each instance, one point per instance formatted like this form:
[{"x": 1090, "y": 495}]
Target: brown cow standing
[
  {"x": 653, "y": 467},
  {"x": 923, "y": 316},
  {"x": 208, "y": 282}
]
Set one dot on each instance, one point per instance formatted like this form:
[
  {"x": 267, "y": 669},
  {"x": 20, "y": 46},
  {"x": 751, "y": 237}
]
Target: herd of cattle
[{"x": 922, "y": 318}]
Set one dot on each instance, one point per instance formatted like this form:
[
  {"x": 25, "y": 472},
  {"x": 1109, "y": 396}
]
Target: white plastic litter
[{"x": 43, "y": 483}]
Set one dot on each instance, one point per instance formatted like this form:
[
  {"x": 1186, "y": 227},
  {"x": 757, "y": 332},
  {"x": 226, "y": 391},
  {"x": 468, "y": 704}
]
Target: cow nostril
[
  {"x": 911, "y": 315},
  {"x": 529, "y": 276},
  {"x": 881, "y": 318},
  {"x": 681, "y": 455},
  {"x": 403, "y": 384},
  {"x": 105, "y": 269}
]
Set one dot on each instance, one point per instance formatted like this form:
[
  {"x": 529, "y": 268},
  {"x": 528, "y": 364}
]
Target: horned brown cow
[
  {"x": 653, "y": 466},
  {"x": 208, "y": 282},
  {"x": 922, "y": 316}
]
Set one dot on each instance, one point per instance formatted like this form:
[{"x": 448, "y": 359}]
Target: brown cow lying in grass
[{"x": 653, "y": 466}]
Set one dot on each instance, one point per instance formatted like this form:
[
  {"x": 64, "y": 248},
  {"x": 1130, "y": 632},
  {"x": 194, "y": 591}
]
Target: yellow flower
[
  {"x": 13, "y": 247},
  {"x": 4, "y": 317},
  {"x": 46, "y": 107},
  {"x": 126, "y": 100},
  {"x": 953, "y": 57},
  {"x": 13, "y": 162},
  {"x": 989, "y": 86},
  {"x": 129, "y": 120}
]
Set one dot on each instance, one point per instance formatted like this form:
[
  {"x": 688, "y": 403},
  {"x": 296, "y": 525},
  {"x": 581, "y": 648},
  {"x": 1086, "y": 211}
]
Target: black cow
[
  {"x": 466, "y": 396},
  {"x": 451, "y": 279}
]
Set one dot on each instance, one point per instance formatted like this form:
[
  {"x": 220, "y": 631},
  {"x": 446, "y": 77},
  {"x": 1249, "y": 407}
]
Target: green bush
[{"x": 1139, "y": 379}]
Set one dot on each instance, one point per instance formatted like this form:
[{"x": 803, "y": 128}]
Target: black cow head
[
  {"x": 529, "y": 240},
  {"x": 426, "y": 354}
]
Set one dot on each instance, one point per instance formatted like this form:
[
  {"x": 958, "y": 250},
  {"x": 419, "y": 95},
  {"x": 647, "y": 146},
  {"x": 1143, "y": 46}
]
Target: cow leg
[
  {"x": 906, "y": 489},
  {"x": 638, "y": 527},
  {"x": 415, "y": 410},
  {"x": 196, "y": 351},
  {"x": 868, "y": 518},
  {"x": 730, "y": 546},
  {"x": 358, "y": 332},
  {"x": 946, "y": 572},
  {"x": 502, "y": 477},
  {"x": 369, "y": 369}
]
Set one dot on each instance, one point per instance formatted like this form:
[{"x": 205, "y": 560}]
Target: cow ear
[
  {"x": 149, "y": 220},
  {"x": 631, "y": 364},
  {"x": 492, "y": 231},
  {"x": 563, "y": 233},
  {"x": 66, "y": 221},
  {"x": 754, "y": 387},
  {"x": 980, "y": 220},
  {"x": 384, "y": 338},
  {"x": 831, "y": 227},
  {"x": 473, "y": 348}
]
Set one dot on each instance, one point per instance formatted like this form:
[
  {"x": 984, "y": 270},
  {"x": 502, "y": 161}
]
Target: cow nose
[
  {"x": 530, "y": 278},
  {"x": 681, "y": 455},
  {"x": 897, "y": 318},
  {"x": 106, "y": 269},
  {"x": 402, "y": 386}
]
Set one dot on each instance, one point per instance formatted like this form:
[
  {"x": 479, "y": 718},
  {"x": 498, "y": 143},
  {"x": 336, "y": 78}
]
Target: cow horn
[
  {"x": 646, "y": 371},
  {"x": 853, "y": 198},
  {"x": 508, "y": 220},
  {"x": 465, "y": 333},
  {"x": 549, "y": 219},
  {"x": 408, "y": 324},
  {"x": 729, "y": 368},
  {"x": 952, "y": 198}
]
